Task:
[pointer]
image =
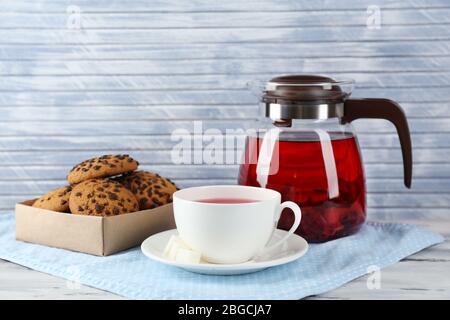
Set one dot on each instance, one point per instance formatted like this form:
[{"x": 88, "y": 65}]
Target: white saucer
[{"x": 292, "y": 249}]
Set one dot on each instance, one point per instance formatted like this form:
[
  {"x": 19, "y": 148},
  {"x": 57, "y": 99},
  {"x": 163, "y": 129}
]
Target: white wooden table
[{"x": 425, "y": 275}]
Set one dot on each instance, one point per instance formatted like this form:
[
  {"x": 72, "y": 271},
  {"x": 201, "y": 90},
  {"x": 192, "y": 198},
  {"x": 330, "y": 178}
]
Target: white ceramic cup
[{"x": 230, "y": 233}]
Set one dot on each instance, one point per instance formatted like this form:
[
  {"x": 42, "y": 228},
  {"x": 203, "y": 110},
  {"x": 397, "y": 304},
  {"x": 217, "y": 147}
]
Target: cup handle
[{"x": 298, "y": 218}]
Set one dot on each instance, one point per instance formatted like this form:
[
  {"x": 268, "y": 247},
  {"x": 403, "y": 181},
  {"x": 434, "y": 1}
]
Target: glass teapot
[{"x": 306, "y": 148}]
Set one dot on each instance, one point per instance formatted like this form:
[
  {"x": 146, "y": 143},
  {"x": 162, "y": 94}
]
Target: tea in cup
[{"x": 230, "y": 224}]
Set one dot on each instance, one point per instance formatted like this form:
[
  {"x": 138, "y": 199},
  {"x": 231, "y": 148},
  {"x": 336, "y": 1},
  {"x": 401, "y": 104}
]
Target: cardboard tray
[{"x": 100, "y": 236}]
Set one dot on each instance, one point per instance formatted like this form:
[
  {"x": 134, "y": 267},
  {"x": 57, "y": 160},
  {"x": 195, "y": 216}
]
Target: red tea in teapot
[{"x": 330, "y": 189}]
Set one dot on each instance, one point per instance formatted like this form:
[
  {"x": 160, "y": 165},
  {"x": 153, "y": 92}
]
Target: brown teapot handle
[{"x": 388, "y": 110}]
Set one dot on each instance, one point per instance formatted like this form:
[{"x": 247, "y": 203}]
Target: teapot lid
[
  {"x": 307, "y": 88},
  {"x": 305, "y": 97}
]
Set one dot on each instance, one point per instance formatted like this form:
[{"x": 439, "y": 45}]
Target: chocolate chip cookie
[
  {"x": 55, "y": 200},
  {"x": 151, "y": 190},
  {"x": 101, "y": 167},
  {"x": 101, "y": 197}
]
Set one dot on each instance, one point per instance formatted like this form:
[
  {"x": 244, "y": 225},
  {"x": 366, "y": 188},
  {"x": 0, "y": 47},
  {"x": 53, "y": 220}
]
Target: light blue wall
[{"x": 136, "y": 70}]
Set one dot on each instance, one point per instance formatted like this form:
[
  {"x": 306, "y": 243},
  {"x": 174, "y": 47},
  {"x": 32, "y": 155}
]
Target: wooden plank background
[{"x": 136, "y": 70}]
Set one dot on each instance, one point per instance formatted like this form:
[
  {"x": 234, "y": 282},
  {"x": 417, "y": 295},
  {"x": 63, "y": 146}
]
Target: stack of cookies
[{"x": 106, "y": 186}]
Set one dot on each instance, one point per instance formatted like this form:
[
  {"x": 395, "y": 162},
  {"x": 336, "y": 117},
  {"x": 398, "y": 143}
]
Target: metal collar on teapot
[{"x": 305, "y": 97}]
